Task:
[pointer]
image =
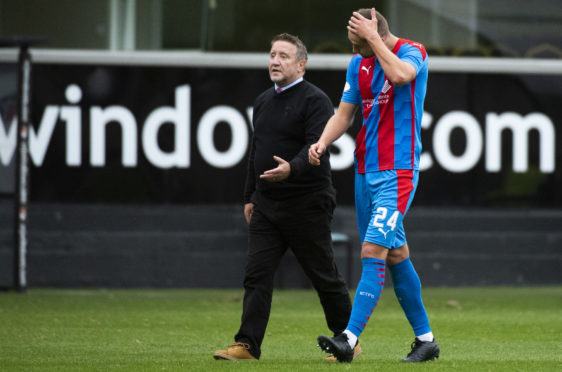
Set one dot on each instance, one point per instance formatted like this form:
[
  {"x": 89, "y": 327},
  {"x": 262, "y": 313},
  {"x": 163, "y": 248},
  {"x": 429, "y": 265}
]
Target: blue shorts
[{"x": 381, "y": 202}]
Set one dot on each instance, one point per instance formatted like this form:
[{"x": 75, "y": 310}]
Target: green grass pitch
[{"x": 478, "y": 329}]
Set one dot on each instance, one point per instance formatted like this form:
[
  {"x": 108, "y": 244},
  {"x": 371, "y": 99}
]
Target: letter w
[{"x": 38, "y": 143}]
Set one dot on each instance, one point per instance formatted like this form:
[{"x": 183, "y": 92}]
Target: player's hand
[
  {"x": 315, "y": 152},
  {"x": 248, "y": 211},
  {"x": 278, "y": 174},
  {"x": 363, "y": 27}
]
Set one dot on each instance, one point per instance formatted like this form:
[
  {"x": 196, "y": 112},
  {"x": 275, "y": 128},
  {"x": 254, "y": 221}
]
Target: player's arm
[
  {"x": 335, "y": 128},
  {"x": 397, "y": 71}
]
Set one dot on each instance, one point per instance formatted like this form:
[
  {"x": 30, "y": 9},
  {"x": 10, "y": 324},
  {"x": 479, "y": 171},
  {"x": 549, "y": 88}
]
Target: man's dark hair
[
  {"x": 382, "y": 28},
  {"x": 301, "y": 48}
]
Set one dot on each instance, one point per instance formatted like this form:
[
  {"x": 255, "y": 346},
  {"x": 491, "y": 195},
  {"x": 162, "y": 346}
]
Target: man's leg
[
  {"x": 265, "y": 249},
  {"x": 308, "y": 233}
]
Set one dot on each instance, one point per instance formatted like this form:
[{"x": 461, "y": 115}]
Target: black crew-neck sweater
[{"x": 285, "y": 125}]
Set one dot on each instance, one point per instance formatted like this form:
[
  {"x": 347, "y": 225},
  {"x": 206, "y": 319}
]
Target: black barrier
[{"x": 134, "y": 134}]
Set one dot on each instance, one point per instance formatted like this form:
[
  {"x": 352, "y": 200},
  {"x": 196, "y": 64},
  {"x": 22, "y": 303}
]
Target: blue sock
[
  {"x": 367, "y": 294},
  {"x": 407, "y": 287}
]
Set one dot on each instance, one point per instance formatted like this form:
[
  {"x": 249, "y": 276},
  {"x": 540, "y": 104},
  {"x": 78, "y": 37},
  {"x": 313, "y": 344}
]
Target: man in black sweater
[{"x": 288, "y": 202}]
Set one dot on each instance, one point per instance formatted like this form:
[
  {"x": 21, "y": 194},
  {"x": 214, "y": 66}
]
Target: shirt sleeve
[
  {"x": 351, "y": 93},
  {"x": 318, "y": 112},
  {"x": 413, "y": 56}
]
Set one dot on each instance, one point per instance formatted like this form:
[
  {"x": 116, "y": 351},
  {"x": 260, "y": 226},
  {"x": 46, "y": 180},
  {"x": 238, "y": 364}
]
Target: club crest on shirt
[
  {"x": 386, "y": 86},
  {"x": 383, "y": 96}
]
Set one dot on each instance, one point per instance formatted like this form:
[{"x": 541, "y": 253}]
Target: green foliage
[{"x": 478, "y": 329}]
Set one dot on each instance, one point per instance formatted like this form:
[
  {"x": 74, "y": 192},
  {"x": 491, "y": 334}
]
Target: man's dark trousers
[{"x": 302, "y": 224}]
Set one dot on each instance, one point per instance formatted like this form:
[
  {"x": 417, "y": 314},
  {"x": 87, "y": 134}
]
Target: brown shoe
[
  {"x": 356, "y": 352},
  {"x": 236, "y": 351}
]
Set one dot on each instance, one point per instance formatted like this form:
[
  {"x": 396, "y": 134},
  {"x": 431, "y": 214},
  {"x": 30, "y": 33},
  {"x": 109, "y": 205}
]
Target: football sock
[
  {"x": 367, "y": 295},
  {"x": 351, "y": 338},
  {"x": 425, "y": 337},
  {"x": 407, "y": 287}
]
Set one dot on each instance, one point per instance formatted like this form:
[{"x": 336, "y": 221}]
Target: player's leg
[
  {"x": 407, "y": 285},
  {"x": 369, "y": 289},
  {"x": 265, "y": 249},
  {"x": 383, "y": 219},
  {"x": 345, "y": 347},
  {"x": 373, "y": 257}
]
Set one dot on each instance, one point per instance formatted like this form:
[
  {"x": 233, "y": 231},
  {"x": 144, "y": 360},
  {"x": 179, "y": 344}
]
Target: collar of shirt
[{"x": 279, "y": 90}]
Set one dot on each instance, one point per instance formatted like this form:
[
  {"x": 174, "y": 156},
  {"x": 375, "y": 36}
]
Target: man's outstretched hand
[{"x": 279, "y": 173}]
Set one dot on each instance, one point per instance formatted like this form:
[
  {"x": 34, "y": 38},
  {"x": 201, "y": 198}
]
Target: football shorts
[{"x": 381, "y": 202}]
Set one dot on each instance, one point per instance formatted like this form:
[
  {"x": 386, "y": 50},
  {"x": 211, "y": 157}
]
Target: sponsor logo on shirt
[
  {"x": 368, "y": 103},
  {"x": 382, "y": 99}
]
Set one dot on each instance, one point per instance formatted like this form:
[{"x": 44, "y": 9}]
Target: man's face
[
  {"x": 360, "y": 45},
  {"x": 283, "y": 65}
]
